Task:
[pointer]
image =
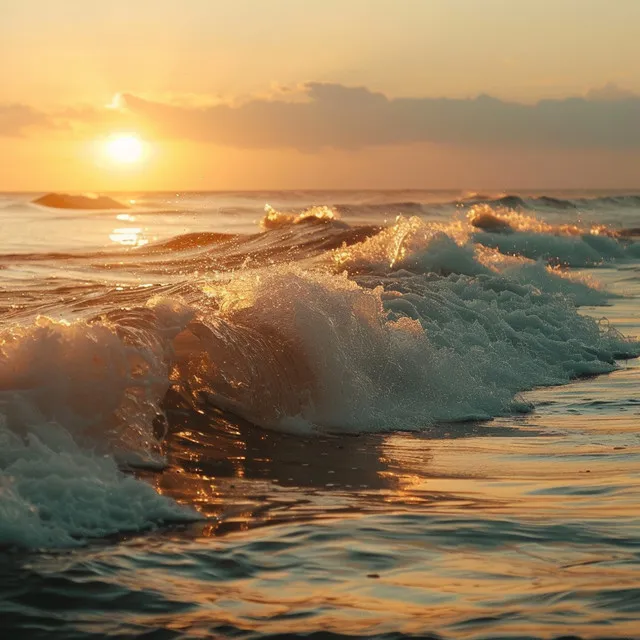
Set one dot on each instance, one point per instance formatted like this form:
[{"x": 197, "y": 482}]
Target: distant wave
[
  {"x": 302, "y": 240},
  {"x": 537, "y": 203},
  {"x": 542, "y": 202},
  {"x": 187, "y": 241},
  {"x": 584, "y": 250},
  {"x": 573, "y": 245},
  {"x": 274, "y": 219},
  {"x": 408, "y": 207},
  {"x": 66, "y": 201},
  {"x": 503, "y": 220}
]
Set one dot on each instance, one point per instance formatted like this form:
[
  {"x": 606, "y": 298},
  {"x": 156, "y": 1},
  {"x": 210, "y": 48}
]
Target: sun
[{"x": 125, "y": 148}]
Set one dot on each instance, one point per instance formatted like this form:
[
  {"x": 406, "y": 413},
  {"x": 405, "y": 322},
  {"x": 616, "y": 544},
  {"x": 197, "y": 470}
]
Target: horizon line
[{"x": 321, "y": 190}]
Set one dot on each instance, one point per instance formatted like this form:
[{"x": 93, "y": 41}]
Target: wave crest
[
  {"x": 274, "y": 219},
  {"x": 294, "y": 349}
]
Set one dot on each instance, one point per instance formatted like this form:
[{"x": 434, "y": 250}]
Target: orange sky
[{"x": 210, "y": 86}]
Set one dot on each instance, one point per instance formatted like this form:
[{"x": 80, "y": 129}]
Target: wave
[
  {"x": 629, "y": 200},
  {"x": 288, "y": 239},
  {"x": 400, "y": 351},
  {"x": 189, "y": 241},
  {"x": 506, "y": 220},
  {"x": 547, "y": 202},
  {"x": 421, "y": 247},
  {"x": 66, "y": 201},
  {"x": 76, "y": 402},
  {"x": 572, "y": 245},
  {"x": 427, "y": 204},
  {"x": 274, "y": 219},
  {"x": 56, "y": 494},
  {"x": 586, "y": 250},
  {"x": 387, "y": 209},
  {"x": 347, "y": 330},
  {"x": 509, "y": 231}
]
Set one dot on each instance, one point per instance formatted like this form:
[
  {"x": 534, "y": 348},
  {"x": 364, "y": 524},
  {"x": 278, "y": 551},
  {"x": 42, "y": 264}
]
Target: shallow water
[{"x": 361, "y": 510}]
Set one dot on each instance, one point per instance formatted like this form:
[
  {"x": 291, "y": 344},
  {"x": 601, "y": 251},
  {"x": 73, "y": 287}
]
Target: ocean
[{"x": 320, "y": 414}]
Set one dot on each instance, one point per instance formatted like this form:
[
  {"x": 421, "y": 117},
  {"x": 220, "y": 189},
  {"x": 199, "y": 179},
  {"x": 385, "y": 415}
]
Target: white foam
[
  {"x": 74, "y": 398},
  {"x": 55, "y": 494},
  {"x": 573, "y": 245},
  {"x": 274, "y": 219},
  {"x": 574, "y": 251},
  {"x": 103, "y": 380},
  {"x": 423, "y": 247},
  {"x": 436, "y": 328},
  {"x": 393, "y": 352},
  {"x": 583, "y": 291},
  {"x": 415, "y": 245}
]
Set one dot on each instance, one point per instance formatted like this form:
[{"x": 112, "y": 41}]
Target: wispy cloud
[{"x": 18, "y": 119}]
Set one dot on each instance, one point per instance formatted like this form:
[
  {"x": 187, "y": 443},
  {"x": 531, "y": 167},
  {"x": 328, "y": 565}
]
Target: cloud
[
  {"x": 336, "y": 116},
  {"x": 17, "y": 119},
  {"x": 323, "y": 115},
  {"x": 20, "y": 120},
  {"x": 610, "y": 92}
]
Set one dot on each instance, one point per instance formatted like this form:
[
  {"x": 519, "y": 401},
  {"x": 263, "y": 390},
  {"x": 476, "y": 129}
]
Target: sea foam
[
  {"x": 412, "y": 326},
  {"x": 426, "y": 247},
  {"x": 55, "y": 494},
  {"x": 570, "y": 245},
  {"x": 76, "y": 401},
  {"x": 394, "y": 351}
]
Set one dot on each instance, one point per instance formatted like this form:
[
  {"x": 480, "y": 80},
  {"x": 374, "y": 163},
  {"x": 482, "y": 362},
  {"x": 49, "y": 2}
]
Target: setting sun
[{"x": 125, "y": 149}]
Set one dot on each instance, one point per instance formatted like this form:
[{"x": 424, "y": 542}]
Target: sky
[{"x": 272, "y": 94}]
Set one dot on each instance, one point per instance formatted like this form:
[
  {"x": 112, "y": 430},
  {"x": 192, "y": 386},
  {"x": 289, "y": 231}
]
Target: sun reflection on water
[{"x": 129, "y": 236}]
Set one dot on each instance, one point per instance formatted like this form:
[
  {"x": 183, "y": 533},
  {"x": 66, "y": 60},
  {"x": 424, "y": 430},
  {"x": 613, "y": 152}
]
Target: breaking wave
[
  {"x": 274, "y": 219},
  {"x": 311, "y": 326},
  {"x": 304, "y": 350},
  {"x": 77, "y": 400},
  {"x": 572, "y": 245}
]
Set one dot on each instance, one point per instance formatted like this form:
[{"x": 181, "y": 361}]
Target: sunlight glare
[{"x": 125, "y": 149}]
